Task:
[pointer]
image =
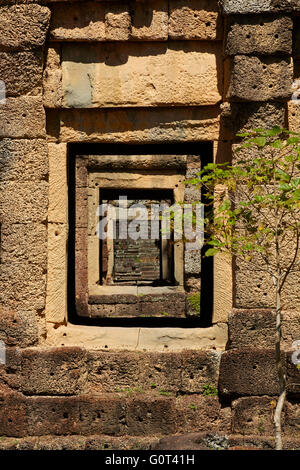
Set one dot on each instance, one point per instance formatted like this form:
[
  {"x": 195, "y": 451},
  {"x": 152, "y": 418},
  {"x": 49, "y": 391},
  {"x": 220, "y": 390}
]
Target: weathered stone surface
[
  {"x": 195, "y": 20},
  {"x": 135, "y": 74},
  {"x": 199, "y": 369},
  {"x": 294, "y": 115},
  {"x": 238, "y": 118},
  {"x": 236, "y": 7},
  {"x": 77, "y": 21},
  {"x": 10, "y": 371},
  {"x": 23, "y": 160},
  {"x": 23, "y": 202},
  {"x": 58, "y": 196},
  {"x": 248, "y": 372},
  {"x": 12, "y": 414},
  {"x": 23, "y": 26},
  {"x": 222, "y": 301},
  {"x": 251, "y": 328},
  {"x": 53, "y": 371},
  {"x": 199, "y": 413},
  {"x": 21, "y": 72},
  {"x": 56, "y": 297},
  {"x": 192, "y": 262},
  {"x": 264, "y": 35},
  {"x": 117, "y": 22},
  {"x": 292, "y": 418},
  {"x": 136, "y": 126},
  {"x": 18, "y": 328},
  {"x": 102, "y": 415},
  {"x": 156, "y": 415},
  {"x": 260, "y": 79},
  {"x": 150, "y": 21},
  {"x": 253, "y": 415},
  {"x": 52, "y": 78},
  {"x": 22, "y": 117}
]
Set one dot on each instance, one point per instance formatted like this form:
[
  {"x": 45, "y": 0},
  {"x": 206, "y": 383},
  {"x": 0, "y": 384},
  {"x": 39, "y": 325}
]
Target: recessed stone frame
[{"x": 98, "y": 174}]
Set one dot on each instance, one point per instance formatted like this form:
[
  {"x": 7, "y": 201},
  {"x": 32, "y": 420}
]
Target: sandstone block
[
  {"x": 156, "y": 415},
  {"x": 58, "y": 186},
  {"x": 199, "y": 368},
  {"x": 23, "y": 26},
  {"x": 23, "y": 202},
  {"x": 236, "y": 7},
  {"x": 22, "y": 287},
  {"x": 249, "y": 372},
  {"x": 117, "y": 22},
  {"x": 294, "y": 115},
  {"x": 18, "y": 328},
  {"x": 260, "y": 79},
  {"x": 22, "y": 117},
  {"x": 23, "y": 160},
  {"x": 12, "y": 415},
  {"x": 21, "y": 72},
  {"x": 10, "y": 372},
  {"x": 266, "y": 35},
  {"x": 134, "y": 74},
  {"x": 195, "y": 20},
  {"x": 56, "y": 297},
  {"x": 150, "y": 21},
  {"x": 101, "y": 415},
  {"x": 53, "y": 371},
  {"x": 139, "y": 125},
  {"x": 77, "y": 21},
  {"x": 196, "y": 413},
  {"x": 251, "y": 328},
  {"x": 25, "y": 243},
  {"x": 52, "y": 77},
  {"x": 253, "y": 415}
]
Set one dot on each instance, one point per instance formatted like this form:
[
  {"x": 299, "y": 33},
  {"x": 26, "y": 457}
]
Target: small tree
[{"x": 253, "y": 214}]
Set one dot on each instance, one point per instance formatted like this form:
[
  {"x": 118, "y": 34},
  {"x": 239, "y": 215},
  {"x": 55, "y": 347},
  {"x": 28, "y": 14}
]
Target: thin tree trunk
[{"x": 280, "y": 372}]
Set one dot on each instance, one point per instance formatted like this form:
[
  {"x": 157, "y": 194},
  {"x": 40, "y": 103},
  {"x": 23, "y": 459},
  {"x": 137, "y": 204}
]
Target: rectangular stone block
[
  {"x": 194, "y": 19},
  {"x": 139, "y": 125},
  {"x": 150, "y": 21},
  {"x": 56, "y": 297},
  {"x": 150, "y": 416},
  {"x": 199, "y": 368},
  {"x": 236, "y": 7},
  {"x": 53, "y": 371},
  {"x": 252, "y": 328},
  {"x": 23, "y": 160},
  {"x": 58, "y": 185},
  {"x": 249, "y": 372},
  {"x": 23, "y": 202},
  {"x": 21, "y": 72},
  {"x": 253, "y": 415},
  {"x": 196, "y": 413},
  {"x": 23, "y": 27},
  {"x": 52, "y": 77},
  {"x": 18, "y": 328},
  {"x": 117, "y": 21},
  {"x": 77, "y": 21},
  {"x": 12, "y": 414},
  {"x": 260, "y": 79},
  {"x": 22, "y": 118},
  {"x": 102, "y": 415},
  {"x": 151, "y": 74},
  {"x": 265, "y": 35}
]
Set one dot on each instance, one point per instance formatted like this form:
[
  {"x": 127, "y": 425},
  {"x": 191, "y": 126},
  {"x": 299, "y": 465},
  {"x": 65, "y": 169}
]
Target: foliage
[
  {"x": 209, "y": 390},
  {"x": 194, "y": 302}
]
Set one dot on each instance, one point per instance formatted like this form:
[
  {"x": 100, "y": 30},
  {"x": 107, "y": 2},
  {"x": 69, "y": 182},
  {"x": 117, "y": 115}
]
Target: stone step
[{"x": 134, "y": 414}]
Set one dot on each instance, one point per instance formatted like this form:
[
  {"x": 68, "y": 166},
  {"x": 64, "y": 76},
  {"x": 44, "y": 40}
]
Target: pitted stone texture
[
  {"x": 260, "y": 79},
  {"x": 52, "y": 78},
  {"x": 18, "y": 328},
  {"x": 21, "y": 72},
  {"x": 117, "y": 21},
  {"x": 23, "y": 27},
  {"x": 10, "y": 372},
  {"x": 53, "y": 371},
  {"x": 253, "y": 415},
  {"x": 22, "y": 117},
  {"x": 199, "y": 413},
  {"x": 12, "y": 414},
  {"x": 251, "y": 328},
  {"x": 136, "y": 125},
  {"x": 294, "y": 115},
  {"x": 23, "y": 160},
  {"x": 236, "y": 7},
  {"x": 150, "y": 21},
  {"x": 58, "y": 196},
  {"x": 135, "y": 74},
  {"x": 23, "y": 202},
  {"x": 249, "y": 372},
  {"x": 194, "y": 19},
  {"x": 77, "y": 21},
  {"x": 264, "y": 35},
  {"x": 243, "y": 117}
]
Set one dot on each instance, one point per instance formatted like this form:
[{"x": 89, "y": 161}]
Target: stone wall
[{"x": 155, "y": 72}]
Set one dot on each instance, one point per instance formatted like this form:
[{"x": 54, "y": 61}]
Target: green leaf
[{"x": 211, "y": 252}]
